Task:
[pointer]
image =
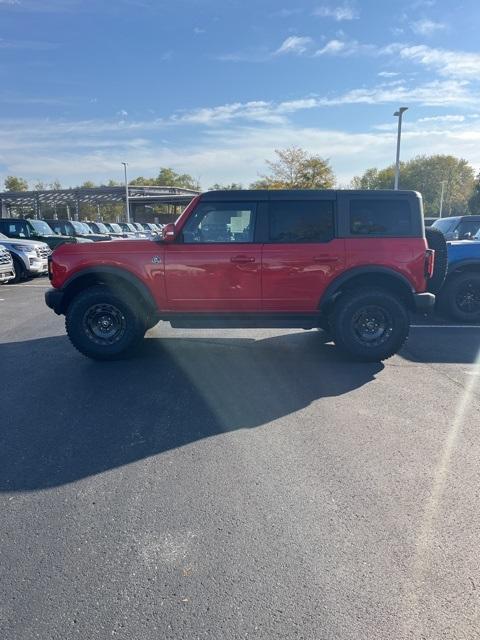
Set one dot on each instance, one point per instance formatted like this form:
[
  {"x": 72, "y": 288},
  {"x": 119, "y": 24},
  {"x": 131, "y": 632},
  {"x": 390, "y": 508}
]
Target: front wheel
[
  {"x": 370, "y": 324},
  {"x": 460, "y": 298},
  {"x": 102, "y": 325}
]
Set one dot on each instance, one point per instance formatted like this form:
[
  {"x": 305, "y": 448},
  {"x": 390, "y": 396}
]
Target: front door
[{"x": 215, "y": 265}]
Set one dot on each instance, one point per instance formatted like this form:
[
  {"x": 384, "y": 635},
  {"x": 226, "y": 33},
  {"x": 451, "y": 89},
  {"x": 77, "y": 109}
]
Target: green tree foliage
[
  {"x": 167, "y": 177},
  {"x": 296, "y": 169},
  {"x": 233, "y": 186},
  {"x": 425, "y": 174},
  {"x": 13, "y": 183},
  {"x": 474, "y": 202}
]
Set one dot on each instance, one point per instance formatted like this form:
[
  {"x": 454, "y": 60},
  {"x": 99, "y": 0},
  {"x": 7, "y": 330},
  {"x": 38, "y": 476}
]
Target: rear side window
[
  {"x": 301, "y": 221},
  {"x": 17, "y": 229},
  {"x": 389, "y": 217}
]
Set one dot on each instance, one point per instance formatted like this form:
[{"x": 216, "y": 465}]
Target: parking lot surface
[{"x": 236, "y": 484}]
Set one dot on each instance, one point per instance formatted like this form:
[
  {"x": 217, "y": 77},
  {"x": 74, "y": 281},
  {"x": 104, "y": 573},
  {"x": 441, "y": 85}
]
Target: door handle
[
  {"x": 326, "y": 259},
  {"x": 242, "y": 259}
]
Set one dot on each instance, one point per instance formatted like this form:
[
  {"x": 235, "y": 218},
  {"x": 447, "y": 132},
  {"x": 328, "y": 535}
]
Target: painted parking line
[{"x": 445, "y": 326}]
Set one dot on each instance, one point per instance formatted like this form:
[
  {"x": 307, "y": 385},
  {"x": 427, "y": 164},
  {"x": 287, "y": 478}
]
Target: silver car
[
  {"x": 30, "y": 257},
  {"x": 7, "y": 271}
]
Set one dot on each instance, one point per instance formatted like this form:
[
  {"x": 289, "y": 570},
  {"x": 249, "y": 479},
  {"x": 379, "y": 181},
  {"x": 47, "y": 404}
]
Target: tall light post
[
  {"x": 127, "y": 201},
  {"x": 443, "y": 183},
  {"x": 398, "y": 114}
]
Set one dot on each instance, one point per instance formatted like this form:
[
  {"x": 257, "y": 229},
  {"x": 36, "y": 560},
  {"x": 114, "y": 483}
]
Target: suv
[
  {"x": 29, "y": 256},
  {"x": 459, "y": 298},
  {"x": 353, "y": 263},
  {"x": 458, "y": 227},
  {"x": 79, "y": 230},
  {"x": 33, "y": 230},
  {"x": 7, "y": 270}
]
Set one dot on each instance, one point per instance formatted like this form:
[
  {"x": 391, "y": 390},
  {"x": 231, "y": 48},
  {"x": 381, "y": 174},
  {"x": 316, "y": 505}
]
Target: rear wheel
[
  {"x": 370, "y": 324},
  {"x": 460, "y": 299},
  {"x": 103, "y": 325}
]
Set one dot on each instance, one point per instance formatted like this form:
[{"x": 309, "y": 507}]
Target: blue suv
[{"x": 459, "y": 297}]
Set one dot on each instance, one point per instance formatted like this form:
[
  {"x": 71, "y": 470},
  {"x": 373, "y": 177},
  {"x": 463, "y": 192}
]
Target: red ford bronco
[{"x": 353, "y": 263}]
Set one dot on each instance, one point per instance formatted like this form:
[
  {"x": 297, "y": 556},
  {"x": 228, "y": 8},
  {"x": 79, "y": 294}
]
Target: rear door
[
  {"x": 215, "y": 265},
  {"x": 301, "y": 254}
]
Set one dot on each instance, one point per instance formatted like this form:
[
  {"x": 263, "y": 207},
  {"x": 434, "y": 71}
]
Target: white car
[{"x": 30, "y": 257}]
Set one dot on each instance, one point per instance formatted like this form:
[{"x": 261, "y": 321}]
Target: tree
[
  {"x": 425, "y": 174},
  {"x": 233, "y": 186},
  {"x": 55, "y": 185},
  {"x": 474, "y": 202},
  {"x": 167, "y": 177},
  {"x": 296, "y": 169},
  {"x": 13, "y": 183},
  {"x": 88, "y": 184}
]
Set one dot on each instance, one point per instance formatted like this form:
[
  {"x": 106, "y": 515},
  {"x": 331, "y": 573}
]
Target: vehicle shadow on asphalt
[
  {"x": 443, "y": 345},
  {"x": 76, "y": 418}
]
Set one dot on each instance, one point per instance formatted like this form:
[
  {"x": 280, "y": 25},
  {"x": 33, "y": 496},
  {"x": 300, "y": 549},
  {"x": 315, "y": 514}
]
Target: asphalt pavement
[{"x": 236, "y": 484}]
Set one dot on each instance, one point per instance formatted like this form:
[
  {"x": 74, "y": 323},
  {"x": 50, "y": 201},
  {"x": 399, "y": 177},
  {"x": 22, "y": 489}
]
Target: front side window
[
  {"x": 468, "y": 227},
  {"x": 380, "y": 217},
  {"x": 221, "y": 222},
  {"x": 301, "y": 221}
]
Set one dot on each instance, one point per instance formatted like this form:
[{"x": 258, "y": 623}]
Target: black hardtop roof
[{"x": 301, "y": 194}]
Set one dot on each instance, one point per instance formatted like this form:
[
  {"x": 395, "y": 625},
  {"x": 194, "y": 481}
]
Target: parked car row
[{"x": 25, "y": 244}]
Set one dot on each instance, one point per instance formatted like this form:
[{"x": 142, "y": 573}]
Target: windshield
[
  {"x": 79, "y": 226},
  {"x": 41, "y": 227},
  {"x": 445, "y": 224},
  {"x": 116, "y": 227},
  {"x": 101, "y": 227},
  {"x": 3, "y": 237}
]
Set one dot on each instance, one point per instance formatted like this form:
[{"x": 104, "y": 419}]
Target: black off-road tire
[
  {"x": 87, "y": 324},
  {"x": 354, "y": 324},
  {"x": 20, "y": 273},
  {"x": 460, "y": 298},
  {"x": 436, "y": 241}
]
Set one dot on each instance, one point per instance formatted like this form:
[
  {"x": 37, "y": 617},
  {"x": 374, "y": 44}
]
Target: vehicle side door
[
  {"x": 302, "y": 253},
  {"x": 215, "y": 263}
]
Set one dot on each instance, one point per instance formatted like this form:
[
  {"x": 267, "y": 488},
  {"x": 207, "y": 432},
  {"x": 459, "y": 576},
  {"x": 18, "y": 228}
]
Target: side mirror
[
  {"x": 467, "y": 236},
  {"x": 168, "y": 232}
]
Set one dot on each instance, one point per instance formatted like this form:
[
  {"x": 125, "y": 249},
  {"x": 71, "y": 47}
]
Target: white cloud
[
  {"x": 446, "y": 118},
  {"x": 388, "y": 74},
  {"x": 295, "y": 44},
  {"x": 221, "y": 155},
  {"x": 198, "y": 30},
  {"x": 427, "y": 27},
  {"x": 338, "y": 13},
  {"x": 459, "y": 64},
  {"x": 332, "y": 47}
]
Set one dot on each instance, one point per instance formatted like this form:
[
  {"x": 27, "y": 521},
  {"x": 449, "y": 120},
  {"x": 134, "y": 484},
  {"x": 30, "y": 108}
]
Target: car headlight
[{"x": 25, "y": 248}]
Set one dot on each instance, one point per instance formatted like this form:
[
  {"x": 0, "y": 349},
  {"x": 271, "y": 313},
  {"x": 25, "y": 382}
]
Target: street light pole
[
  {"x": 441, "y": 197},
  {"x": 398, "y": 114},
  {"x": 127, "y": 201}
]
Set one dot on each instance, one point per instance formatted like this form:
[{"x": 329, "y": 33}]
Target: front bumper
[
  {"x": 423, "y": 302},
  {"x": 7, "y": 273},
  {"x": 54, "y": 300},
  {"x": 37, "y": 265}
]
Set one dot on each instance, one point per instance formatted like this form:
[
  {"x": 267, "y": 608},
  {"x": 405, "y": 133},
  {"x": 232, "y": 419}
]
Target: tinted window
[
  {"x": 380, "y": 217},
  {"x": 221, "y": 222},
  {"x": 468, "y": 226},
  {"x": 301, "y": 221},
  {"x": 17, "y": 229}
]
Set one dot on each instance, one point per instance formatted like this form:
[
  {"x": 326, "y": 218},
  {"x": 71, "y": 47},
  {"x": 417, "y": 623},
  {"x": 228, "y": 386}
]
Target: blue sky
[{"x": 212, "y": 87}]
